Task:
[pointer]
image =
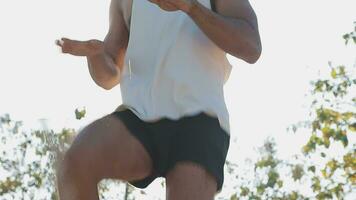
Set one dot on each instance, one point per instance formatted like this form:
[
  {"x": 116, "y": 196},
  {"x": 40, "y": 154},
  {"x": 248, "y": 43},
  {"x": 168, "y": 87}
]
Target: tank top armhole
[
  {"x": 127, "y": 12},
  {"x": 212, "y": 5}
]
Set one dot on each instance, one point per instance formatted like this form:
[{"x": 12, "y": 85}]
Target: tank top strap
[{"x": 212, "y": 5}]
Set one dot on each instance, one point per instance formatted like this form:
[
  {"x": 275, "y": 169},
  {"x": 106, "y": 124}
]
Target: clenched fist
[
  {"x": 80, "y": 48},
  {"x": 173, "y": 5}
]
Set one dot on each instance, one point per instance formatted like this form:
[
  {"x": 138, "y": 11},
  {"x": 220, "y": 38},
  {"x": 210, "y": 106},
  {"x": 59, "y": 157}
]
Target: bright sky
[{"x": 299, "y": 37}]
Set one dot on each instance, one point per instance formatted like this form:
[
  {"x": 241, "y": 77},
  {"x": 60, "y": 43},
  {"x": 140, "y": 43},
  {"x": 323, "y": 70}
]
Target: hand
[
  {"x": 173, "y": 5},
  {"x": 80, "y": 48}
]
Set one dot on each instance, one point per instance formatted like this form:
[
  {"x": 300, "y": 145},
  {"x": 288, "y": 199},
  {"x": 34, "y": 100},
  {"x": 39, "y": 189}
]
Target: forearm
[
  {"x": 235, "y": 36},
  {"x": 103, "y": 70}
]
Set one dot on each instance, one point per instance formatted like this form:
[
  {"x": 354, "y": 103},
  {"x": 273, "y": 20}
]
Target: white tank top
[{"x": 172, "y": 69}]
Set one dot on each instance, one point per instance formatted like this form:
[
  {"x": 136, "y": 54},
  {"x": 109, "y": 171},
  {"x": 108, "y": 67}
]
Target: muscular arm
[
  {"x": 105, "y": 67},
  {"x": 105, "y": 58},
  {"x": 234, "y": 29}
]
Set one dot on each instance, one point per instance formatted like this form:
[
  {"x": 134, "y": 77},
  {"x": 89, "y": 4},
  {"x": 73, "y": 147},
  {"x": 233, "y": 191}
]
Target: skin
[
  {"x": 103, "y": 149},
  {"x": 116, "y": 153},
  {"x": 234, "y": 29}
]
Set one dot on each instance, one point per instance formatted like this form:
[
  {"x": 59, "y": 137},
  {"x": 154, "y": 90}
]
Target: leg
[
  {"x": 189, "y": 181},
  {"x": 103, "y": 149}
]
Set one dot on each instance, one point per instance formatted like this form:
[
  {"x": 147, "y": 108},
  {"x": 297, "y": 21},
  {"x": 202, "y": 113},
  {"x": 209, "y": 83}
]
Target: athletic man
[{"x": 169, "y": 57}]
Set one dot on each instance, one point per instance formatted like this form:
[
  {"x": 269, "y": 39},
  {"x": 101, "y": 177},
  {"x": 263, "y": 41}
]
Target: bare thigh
[
  {"x": 189, "y": 181},
  {"x": 106, "y": 149}
]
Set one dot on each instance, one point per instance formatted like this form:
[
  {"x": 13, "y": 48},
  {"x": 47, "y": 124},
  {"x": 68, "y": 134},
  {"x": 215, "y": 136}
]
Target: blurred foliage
[
  {"x": 332, "y": 124},
  {"x": 29, "y": 159},
  {"x": 270, "y": 177},
  {"x": 350, "y": 36},
  {"x": 328, "y": 163}
]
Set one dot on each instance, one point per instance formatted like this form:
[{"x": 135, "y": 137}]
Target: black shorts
[{"x": 198, "y": 138}]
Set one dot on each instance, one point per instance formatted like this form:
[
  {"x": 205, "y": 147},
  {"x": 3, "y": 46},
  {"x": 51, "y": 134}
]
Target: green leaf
[
  {"x": 324, "y": 173},
  {"x": 244, "y": 191},
  {"x": 297, "y": 172},
  {"x": 79, "y": 114},
  {"x": 316, "y": 184},
  {"x": 312, "y": 169},
  {"x": 346, "y": 38},
  {"x": 342, "y": 70},
  {"x": 326, "y": 142},
  {"x": 332, "y": 164},
  {"x": 324, "y": 195},
  {"x": 293, "y": 196},
  {"x": 280, "y": 183},
  {"x": 272, "y": 178},
  {"x": 347, "y": 115},
  {"x": 333, "y": 73},
  {"x": 352, "y": 127},
  {"x": 233, "y": 197},
  {"x": 261, "y": 189},
  {"x": 344, "y": 140}
]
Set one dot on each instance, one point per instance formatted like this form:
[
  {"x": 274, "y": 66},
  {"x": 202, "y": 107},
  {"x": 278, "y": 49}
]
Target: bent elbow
[
  {"x": 254, "y": 58},
  {"x": 254, "y": 54},
  {"x": 107, "y": 87},
  {"x": 249, "y": 53},
  {"x": 109, "y": 83}
]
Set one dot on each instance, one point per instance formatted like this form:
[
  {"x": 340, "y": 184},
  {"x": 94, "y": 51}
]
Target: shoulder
[
  {"x": 126, "y": 7},
  {"x": 241, "y": 9},
  {"x": 232, "y": 4}
]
